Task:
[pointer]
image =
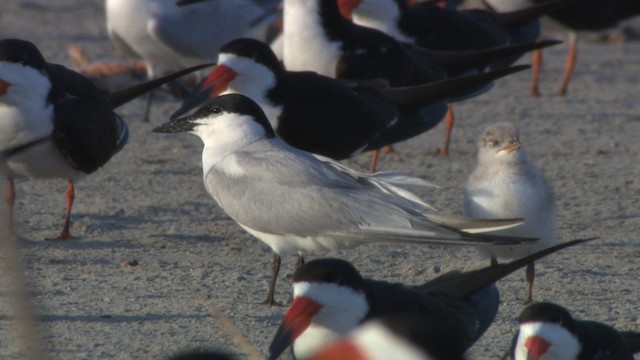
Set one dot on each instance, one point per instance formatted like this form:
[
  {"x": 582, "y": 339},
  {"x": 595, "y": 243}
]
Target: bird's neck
[{"x": 307, "y": 45}]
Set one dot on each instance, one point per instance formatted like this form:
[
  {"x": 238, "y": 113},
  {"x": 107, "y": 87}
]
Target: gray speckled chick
[{"x": 505, "y": 184}]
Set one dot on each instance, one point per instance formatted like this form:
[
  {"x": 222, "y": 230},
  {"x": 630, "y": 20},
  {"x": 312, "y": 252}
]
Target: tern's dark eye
[
  {"x": 213, "y": 109},
  {"x": 492, "y": 143}
]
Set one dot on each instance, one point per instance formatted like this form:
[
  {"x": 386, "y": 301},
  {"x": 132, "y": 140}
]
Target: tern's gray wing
[
  {"x": 271, "y": 189},
  {"x": 278, "y": 191}
]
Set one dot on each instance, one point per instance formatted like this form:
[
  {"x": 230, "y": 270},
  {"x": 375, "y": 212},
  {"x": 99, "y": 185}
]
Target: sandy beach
[{"x": 154, "y": 254}]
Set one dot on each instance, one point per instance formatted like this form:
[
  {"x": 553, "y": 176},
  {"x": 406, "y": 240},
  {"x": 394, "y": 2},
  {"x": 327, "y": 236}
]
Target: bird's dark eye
[
  {"x": 492, "y": 143},
  {"x": 214, "y": 109}
]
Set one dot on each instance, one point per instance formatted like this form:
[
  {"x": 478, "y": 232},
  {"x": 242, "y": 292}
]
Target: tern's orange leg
[
  {"x": 536, "y": 62},
  {"x": 450, "y": 120},
  {"x": 66, "y": 234},
  {"x": 571, "y": 63}
]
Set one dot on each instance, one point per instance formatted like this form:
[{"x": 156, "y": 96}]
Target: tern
[
  {"x": 295, "y": 201},
  {"x": 506, "y": 183}
]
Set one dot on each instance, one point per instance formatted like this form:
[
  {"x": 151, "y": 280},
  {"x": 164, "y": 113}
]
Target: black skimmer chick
[
  {"x": 323, "y": 115},
  {"x": 506, "y": 183},
  {"x": 395, "y": 336},
  {"x": 55, "y": 122},
  {"x": 331, "y": 298},
  {"x": 577, "y": 15},
  {"x": 433, "y": 27},
  {"x": 295, "y": 201},
  {"x": 547, "y": 331}
]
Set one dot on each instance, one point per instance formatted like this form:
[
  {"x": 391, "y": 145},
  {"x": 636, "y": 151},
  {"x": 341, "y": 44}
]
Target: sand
[{"x": 154, "y": 254}]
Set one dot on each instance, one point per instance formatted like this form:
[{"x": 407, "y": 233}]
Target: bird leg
[
  {"x": 494, "y": 261},
  {"x": 66, "y": 234},
  {"x": 147, "y": 108},
  {"x": 275, "y": 269},
  {"x": 450, "y": 120},
  {"x": 10, "y": 196},
  {"x": 376, "y": 155},
  {"x": 85, "y": 66},
  {"x": 107, "y": 75},
  {"x": 536, "y": 62},
  {"x": 571, "y": 63},
  {"x": 374, "y": 160},
  {"x": 299, "y": 262},
  {"x": 530, "y": 277}
]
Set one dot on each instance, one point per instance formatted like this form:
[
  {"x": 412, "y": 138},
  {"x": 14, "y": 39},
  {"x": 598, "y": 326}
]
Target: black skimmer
[
  {"x": 55, "y": 122},
  {"x": 547, "y": 331},
  {"x": 577, "y": 15},
  {"x": 323, "y": 115},
  {"x": 394, "y": 336},
  {"x": 506, "y": 183},
  {"x": 433, "y": 27},
  {"x": 295, "y": 201},
  {"x": 330, "y": 298}
]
